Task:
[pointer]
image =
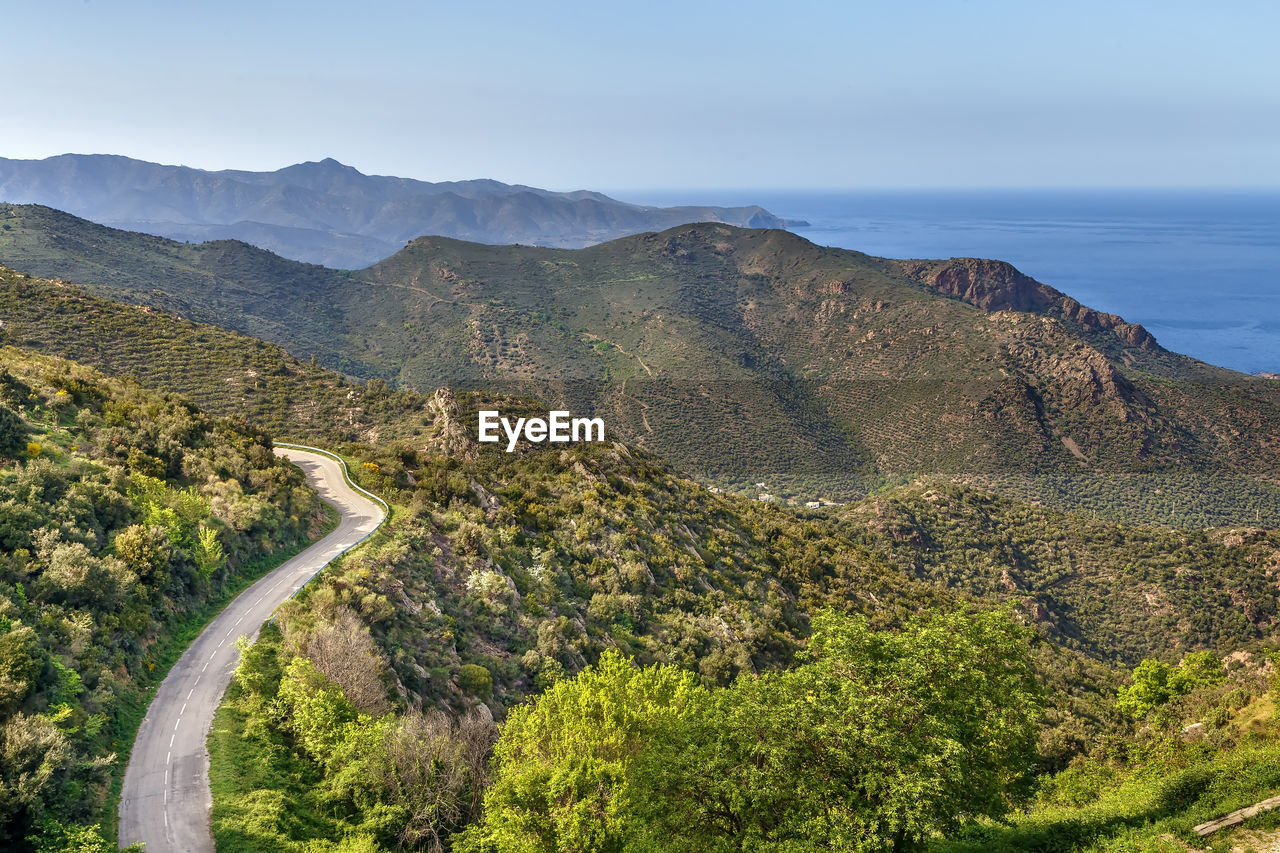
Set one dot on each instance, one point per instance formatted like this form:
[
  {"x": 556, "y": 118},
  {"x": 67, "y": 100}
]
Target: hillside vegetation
[
  {"x": 1120, "y": 591},
  {"x": 224, "y": 372},
  {"x": 422, "y": 693},
  {"x": 509, "y": 576},
  {"x": 750, "y": 356},
  {"x": 122, "y": 514},
  {"x": 1193, "y": 755},
  {"x": 505, "y": 577}
]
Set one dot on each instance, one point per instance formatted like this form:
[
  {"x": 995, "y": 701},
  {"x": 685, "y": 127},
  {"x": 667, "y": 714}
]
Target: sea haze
[{"x": 1199, "y": 269}]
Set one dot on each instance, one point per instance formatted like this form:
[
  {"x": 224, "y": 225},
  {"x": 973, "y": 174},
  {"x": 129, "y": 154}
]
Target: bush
[
  {"x": 13, "y": 431},
  {"x": 476, "y": 680}
]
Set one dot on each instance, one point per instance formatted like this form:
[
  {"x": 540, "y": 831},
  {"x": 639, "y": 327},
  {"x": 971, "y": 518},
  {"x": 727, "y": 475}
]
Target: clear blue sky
[{"x": 697, "y": 93}]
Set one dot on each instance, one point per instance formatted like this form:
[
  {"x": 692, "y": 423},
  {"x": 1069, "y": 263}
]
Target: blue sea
[{"x": 1199, "y": 269}]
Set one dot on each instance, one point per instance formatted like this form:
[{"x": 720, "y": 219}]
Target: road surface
[{"x": 165, "y": 800}]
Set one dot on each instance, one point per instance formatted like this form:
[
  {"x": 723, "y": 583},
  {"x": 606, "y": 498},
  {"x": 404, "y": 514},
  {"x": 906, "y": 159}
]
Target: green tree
[
  {"x": 13, "y": 432},
  {"x": 563, "y": 766},
  {"x": 1155, "y": 683},
  {"x": 877, "y": 740},
  {"x": 58, "y": 837},
  {"x": 145, "y": 550},
  {"x": 208, "y": 552},
  {"x": 72, "y": 574},
  {"x": 35, "y": 758},
  {"x": 1149, "y": 689},
  {"x": 1197, "y": 669},
  {"x": 475, "y": 680},
  {"x": 316, "y": 711},
  {"x": 21, "y": 661}
]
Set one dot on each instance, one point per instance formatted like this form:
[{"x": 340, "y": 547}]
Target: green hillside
[
  {"x": 1119, "y": 592},
  {"x": 126, "y": 518},
  {"x": 272, "y": 298},
  {"x": 1116, "y": 590},
  {"x": 224, "y": 372},
  {"x": 511, "y": 574},
  {"x": 503, "y": 575},
  {"x": 750, "y": 356}
]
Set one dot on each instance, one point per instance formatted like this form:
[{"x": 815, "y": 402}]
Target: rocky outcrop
[
  {"x": 990, "y": 285},
  {"x": 1090, "y": 320},
  {"x": 449, "y": 434},
  {"x": 999, "y": 286}
]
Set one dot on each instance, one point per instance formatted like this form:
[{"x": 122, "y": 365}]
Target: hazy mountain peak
[{"x": 327, "y": 166}]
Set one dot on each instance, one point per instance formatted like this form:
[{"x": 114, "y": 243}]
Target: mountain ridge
[
  {"x": 506, "y": 573},
  {"x": 327, "y": 212},
  {"x": 746, "y": 356}
]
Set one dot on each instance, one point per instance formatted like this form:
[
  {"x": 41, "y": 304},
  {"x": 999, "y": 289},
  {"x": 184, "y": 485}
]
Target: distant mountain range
[
  {"x": 745, "y": 357},
  {"x": 331, "y": 214}
]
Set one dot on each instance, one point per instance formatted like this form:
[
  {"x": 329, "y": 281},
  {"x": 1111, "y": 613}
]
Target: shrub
[
  {"x": 13, "y": 431},
  {"x": 476, "y": 680}
]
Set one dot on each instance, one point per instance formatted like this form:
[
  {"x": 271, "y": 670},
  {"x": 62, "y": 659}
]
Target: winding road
[{"x": 165, "y": 801}]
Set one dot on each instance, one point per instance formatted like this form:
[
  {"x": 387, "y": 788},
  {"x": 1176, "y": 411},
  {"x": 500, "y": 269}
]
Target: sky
[{"x": 692, "y": 94}]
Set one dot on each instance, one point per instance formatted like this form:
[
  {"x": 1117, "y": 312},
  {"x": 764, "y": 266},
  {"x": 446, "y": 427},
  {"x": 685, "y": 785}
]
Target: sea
[{"x": 1199, "y": 269}]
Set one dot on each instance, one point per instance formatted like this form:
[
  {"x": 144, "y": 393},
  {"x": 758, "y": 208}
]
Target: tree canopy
[{"x": 875, "y": 740}]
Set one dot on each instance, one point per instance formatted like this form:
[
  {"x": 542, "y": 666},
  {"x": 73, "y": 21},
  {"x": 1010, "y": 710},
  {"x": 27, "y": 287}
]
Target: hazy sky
[{"x": 923, "y": 93}]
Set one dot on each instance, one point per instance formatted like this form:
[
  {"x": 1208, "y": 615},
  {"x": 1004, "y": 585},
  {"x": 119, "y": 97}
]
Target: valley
[
  {"x": 663, "y": 428},
  {"x": 1014, "y": 468},
  {"x": 822, "y": 372}
]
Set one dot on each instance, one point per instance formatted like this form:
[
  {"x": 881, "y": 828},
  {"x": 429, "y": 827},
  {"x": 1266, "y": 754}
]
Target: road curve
[{"x": 165, "y": 800}]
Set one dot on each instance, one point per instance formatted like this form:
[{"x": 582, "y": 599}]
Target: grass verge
[
  {"x": 261, "y": 789},
  {"x": 1151, "y": 811}
]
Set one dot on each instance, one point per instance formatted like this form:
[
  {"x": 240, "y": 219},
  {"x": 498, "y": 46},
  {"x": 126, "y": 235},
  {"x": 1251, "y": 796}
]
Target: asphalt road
[{"x": 165, "y": 800}]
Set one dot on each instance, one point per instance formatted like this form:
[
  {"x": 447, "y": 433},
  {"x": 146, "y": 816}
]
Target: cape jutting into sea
[{"x": 1199, "y": 269}]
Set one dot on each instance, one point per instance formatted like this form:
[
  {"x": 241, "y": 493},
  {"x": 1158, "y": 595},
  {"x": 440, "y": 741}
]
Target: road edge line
[{"x": 346, "y": 476}]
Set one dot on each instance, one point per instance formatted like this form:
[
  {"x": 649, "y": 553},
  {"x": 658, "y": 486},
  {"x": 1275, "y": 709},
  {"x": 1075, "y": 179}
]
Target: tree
[
  {"x": 145, "y": 550},
  {"x": 1155, "y": 683},
  {"x": 13, "y": 432},
  {"x": 1197, "y": 669},
  {"x": 316, "y": 711},
  {"x": 73, "y": 575},
  {"x": 475, "y": 680},
  {"x": 344, "y": 650},
  {"x": 876, "y": 741},
  {"x": 208, "y": 552},
  {"x": 436, "y": 770},
  {"x": 1149, "y": 690},
  {"x": 21, "y": 660},
  {"x": 562, "y": 767},
  {"x": 58, "y": 837},
  {"x": 35, "y": 758}
]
